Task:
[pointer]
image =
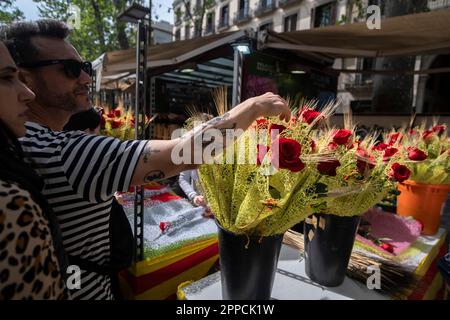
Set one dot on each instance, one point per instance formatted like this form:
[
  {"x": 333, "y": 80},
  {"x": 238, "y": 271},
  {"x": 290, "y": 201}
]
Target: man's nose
[{"x": 84, "y": 78}]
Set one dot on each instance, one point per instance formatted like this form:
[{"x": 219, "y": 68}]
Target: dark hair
[
  {"x": 13, "y": 169},
  {"x": 89, "y": 119},
  {"x": 17, "y": 37}
]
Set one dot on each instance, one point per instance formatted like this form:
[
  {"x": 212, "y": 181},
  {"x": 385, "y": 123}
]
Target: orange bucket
[{"x": 423, "y": 202}]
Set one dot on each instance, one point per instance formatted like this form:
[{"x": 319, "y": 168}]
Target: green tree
[
  {"x": 99, "y": 30},
  {"x": 9, "y": 12}
]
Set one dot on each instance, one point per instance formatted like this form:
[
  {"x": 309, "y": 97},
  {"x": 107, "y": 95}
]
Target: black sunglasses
[{"x": 72, "y": 68}]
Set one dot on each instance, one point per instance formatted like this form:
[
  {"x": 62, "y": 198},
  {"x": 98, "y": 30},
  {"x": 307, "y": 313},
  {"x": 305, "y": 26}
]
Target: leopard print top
[{"x": 28, "y": 266}]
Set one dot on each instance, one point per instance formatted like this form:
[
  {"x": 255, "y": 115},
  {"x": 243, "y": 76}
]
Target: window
[
  {"x": 224, "y": 16},
  {"x": 266, "y": 26},
  {"x": 367, "y": 64},
  {"x": 325, "y": 15},
  {"x": 210, "y": 23},
  {"x": 178, "y": 35},
  {"x": 197, "y": 29},
  {"x": 290, "y": 23},
  {"x": 265, "y": 4},
  {"x": 243, "y": 6},
  {"x": 187, "y": 32}
]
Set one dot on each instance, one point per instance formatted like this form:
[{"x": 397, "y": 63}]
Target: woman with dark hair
[{"x": 32, "y": 261}]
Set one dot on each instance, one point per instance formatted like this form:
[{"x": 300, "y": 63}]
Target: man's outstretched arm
[{"x": 156, "y": 160}]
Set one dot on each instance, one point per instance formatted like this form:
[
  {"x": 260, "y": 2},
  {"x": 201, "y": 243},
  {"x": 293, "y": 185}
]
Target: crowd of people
[{"x": 58, "y": 177}]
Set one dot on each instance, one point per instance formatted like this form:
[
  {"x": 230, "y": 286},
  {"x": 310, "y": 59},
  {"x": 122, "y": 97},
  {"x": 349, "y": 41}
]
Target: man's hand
[{"x": 269, "y": 104}]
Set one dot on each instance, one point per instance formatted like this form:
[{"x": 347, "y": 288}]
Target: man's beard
[{"x": 65, "y": 101}]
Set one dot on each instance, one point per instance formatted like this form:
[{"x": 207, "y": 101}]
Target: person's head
[
  {"x": 49, "y": 65},
  {"x": 14, "y": 95},
  {"x": 88, "y": 121}
]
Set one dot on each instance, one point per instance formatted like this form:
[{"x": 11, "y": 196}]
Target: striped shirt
[{"x": 81, "y": 174}]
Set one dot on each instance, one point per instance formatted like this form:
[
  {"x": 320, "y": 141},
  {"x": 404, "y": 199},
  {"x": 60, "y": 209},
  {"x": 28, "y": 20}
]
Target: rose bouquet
[
  {"x": 118, "y": 123},
  {"x": 427, "y": 152},
  {"x": 354, "y": 176},
  {"x": 357, "y": 174},
  {"x": 268, "y": 186}
]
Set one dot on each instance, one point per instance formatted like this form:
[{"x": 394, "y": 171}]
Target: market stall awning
[
  {"x": 163, "y": 55},
  {"x": 415, "y": 34}
]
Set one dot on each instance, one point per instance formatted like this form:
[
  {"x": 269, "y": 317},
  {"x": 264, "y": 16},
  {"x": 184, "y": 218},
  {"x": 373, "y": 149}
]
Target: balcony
[
  {"x": 285, "y": 3},
  {"x": 438, "y": 4},
  {"x": 242, "y": 16},
  {"x": 264, "y": 7}
]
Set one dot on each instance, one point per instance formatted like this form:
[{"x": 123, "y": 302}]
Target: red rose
[
  {"x": 273, "y": 130},
  {"x": 388, "y": 247},
  {"x": 262, "y": 123},
  {"x": 399, "y": 172},
  {"x": 364, "y": 161},
  {"x": 262, "y": 150},
  {"x": 328, "y": 167},
  {"x": 439, "y": 128},
  {"x": 115, "y": 124},
  {"x": 389, "y": 152},
  {"x": 309, "y": 115},
  {"x": 110, "y": 115},
  {"x": 117, "y": 113},
  {"x": 342, "y": 136},
  {"x": 286, "y": 154},
  {"x": 416, "y": 154},
  {"x": 411, "y": 132},
  {"x": 393, "y": 137},
  {"x": 332, "y": 146},
  {"x": 380, "y": 146},
  {"x": 428, "y": 136},
  {"x": 164, "y": 226}
]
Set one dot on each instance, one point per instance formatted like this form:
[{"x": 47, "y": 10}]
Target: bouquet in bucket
[
  {"x": 427, "y": 152},
  {"x": 265, "y": 184},
  {"x": 356, "y": 174}
]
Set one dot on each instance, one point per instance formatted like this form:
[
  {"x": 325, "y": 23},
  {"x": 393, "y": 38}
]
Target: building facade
[
  {"x": 354, "y": 90},
  {"x": 162, "y": 32},
  {"x": 277, "y": 15}
]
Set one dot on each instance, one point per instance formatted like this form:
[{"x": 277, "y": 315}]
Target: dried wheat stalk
[{"x": 396, "y": 280}]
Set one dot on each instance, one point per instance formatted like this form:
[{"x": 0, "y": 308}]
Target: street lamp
[
  {"x": 136, "y": 14},
  {"x": 241, "y": 47}
]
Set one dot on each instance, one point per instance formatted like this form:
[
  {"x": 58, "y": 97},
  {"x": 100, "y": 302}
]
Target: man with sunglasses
[{"x": 82, "y": 172}]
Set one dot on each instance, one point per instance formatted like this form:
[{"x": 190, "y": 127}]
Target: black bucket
[
  {"x": 248, "y": 272},
  {"x": 328, "y": 246}
]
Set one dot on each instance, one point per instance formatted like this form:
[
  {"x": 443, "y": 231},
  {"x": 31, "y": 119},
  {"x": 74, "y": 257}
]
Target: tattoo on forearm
[
  {"x": 218, "y": 119},
  {"x": 154, "y": 176},
  {"x": 207, "y": 125},
  {"x": 148, "y": 152},
  {"x": 223, "y": 132}
]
